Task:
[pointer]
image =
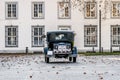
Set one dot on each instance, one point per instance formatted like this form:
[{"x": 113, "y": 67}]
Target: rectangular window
[
  {"x": 37, "y": 32},
  {"x": 90, "y": 35},
  {"x": 115, "y": 9},
  {"x": 115, "y": 35},
  {"x": 11, "y": 38},
  {"x": 64, "y": 10},
  {"x": 11, "y": 10},
  {"x": 38, "y": 10},
  {"x": 64, "y": 27},
  {"x": 90, "y": 10}
]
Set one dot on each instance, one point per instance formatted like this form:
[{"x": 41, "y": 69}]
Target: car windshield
[{"x": 61, "y": 36}]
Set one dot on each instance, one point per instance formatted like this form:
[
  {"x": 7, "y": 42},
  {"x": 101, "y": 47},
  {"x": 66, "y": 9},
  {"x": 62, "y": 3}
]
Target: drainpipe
[{"x": 99, "y": 30}]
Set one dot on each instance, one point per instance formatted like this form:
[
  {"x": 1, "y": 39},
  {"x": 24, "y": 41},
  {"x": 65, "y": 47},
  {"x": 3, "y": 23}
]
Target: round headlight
[
  {"x": 55, "y": 46},
  {"x": 68, "y": 46}
]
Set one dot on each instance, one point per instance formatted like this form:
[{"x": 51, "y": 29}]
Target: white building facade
[{"x": 22, "y": 22}]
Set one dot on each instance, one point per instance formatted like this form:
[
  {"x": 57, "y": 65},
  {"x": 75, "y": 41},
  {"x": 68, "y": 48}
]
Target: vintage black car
[{"x": 60, "y": 44}]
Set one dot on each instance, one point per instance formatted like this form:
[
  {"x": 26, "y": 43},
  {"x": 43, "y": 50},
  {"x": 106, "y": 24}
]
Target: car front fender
[
  {"x": 74, "y": 52},
  {"x": 45, "y": 50}
]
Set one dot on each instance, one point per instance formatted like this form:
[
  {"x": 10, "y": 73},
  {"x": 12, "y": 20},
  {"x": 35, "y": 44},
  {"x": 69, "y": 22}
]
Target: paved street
[{"x": 33, "y": 67}]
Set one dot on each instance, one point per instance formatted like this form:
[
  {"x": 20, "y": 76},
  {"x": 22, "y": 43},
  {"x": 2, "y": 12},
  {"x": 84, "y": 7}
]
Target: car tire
[
  {"x": 70, "y": 58},
  {"x": 74, "y": 59},
  {"x": 47, "y": 59}
]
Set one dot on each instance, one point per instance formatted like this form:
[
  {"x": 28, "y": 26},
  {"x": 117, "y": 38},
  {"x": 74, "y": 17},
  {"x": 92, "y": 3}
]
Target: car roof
[{"x": 60, "y": 31}]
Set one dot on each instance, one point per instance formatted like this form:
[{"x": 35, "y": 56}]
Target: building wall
[{"x": 51, "y": 22}]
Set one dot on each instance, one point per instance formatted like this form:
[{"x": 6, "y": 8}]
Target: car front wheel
[
  {"x": 46, "y": 59},
  {"x": 74, "y": 59},
  {"x": 70, "y": 58}
]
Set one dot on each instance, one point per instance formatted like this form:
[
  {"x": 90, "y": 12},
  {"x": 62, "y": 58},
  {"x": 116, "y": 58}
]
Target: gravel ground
[{"x": 33, "y": 67}]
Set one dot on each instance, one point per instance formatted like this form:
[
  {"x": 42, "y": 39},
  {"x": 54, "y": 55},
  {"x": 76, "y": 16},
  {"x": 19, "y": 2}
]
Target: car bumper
[{"x": 62, "y": 55}]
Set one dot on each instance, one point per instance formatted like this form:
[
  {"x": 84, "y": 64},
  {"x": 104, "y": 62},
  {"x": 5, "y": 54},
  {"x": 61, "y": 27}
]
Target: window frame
[
  {"x": 43, "y": 10},
  {"x": 85, "y": 36},
  {"x": 69, "y": 10},
  {"x": 85, "y": 12},
  {"x": 112, "y": 36},
  {"x": 6, "y": 35},
  {"x": 38, "y": 36},
  {"x": 66, "y": 27},
  {"x": 115, "y": 2},
  {"x": 6, "y": 10}
]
